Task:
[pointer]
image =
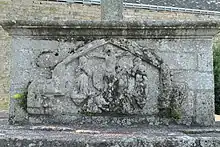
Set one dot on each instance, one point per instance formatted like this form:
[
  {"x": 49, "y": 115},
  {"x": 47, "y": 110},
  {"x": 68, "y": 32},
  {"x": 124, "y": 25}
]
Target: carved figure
[
  {"x": 141, "y": 89},
  {"x": 80, "y": 93},
  {"x": 110, "y": 62},
  {"x": 83, "y": 79},
  {"x": 138, "y": 67}
]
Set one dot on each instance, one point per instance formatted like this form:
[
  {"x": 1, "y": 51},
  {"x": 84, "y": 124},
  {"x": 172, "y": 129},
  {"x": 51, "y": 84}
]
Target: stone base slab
[{"x": 82, "y": 136}]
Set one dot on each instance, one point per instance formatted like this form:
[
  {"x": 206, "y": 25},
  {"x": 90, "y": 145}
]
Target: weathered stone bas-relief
[
  {"x": 105, "y": 73},
  {"x": 104, "y": 77}
]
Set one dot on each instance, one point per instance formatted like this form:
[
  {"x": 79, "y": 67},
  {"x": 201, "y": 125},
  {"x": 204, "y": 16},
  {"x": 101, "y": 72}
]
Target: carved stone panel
[{"x": 113, "y": 77}]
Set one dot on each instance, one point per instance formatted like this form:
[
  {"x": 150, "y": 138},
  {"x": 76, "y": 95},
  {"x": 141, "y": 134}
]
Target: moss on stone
[
  {"x": 170, "y": 112},
  {"x": 4, "y": 3},
  {"x": 88, "y": 113},
  {"x": 22, "y": 99},
  {"x": 53, "y": 10},
  {"x": 175, "y": 114}
]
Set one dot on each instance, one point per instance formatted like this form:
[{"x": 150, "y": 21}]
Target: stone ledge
[
  {"x": 160, "y": 136},
  {"x": 112, "y": 24},
  {"x": 127, "y": 29}
]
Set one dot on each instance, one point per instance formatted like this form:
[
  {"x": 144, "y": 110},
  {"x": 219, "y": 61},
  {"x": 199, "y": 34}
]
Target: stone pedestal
[{"x": 107, "y": 73}]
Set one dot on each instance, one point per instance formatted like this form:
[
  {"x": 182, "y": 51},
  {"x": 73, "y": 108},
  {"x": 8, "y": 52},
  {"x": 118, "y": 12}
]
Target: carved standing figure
[
  {"x": 83, "y": 79},
  {"x": 80, "y": 93},
  {"x": 110, "y": 63},
  {"x": 140, "y": 91}
]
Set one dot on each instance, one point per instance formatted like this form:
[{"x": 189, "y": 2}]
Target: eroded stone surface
[
  {"x": 112, "y": 10},
  {"x": 115, "y": 77},
  {"x": 141, "y": 136},
  {"x": 82, "y": 73},
  {"x": 205, "y": 107}
]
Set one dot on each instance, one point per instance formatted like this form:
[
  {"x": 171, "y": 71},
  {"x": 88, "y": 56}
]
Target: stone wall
[
  {"x": 38, "y": 10},
  {"x": 192, "y": 64},
  {"x": 33, "y": 9}
]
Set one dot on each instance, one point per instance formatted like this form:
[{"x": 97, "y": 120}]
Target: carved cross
[{"x": 112, "y": 10}]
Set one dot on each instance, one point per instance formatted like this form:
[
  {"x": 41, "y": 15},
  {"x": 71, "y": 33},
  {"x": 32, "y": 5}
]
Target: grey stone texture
[
  {"x": 48, "y": 10},
  {"x": 78, "y": 136},
  {"x": 204, "y": 103},
  {"x": 4, "y": 67},
  {"x": 112, "y": 10},
  {"x": 130, "y": 73}
]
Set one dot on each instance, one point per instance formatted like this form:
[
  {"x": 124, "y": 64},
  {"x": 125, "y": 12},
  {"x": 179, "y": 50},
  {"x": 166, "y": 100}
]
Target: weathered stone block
[
  {"x": 81, "y": 72},
  {"x": 178, "y": 45},
  {"x": 195, "y": 79},
  {"x": 185, "y": 45},
  {"x": 188, "y": 109},
  {"x": 205, "y": 62},
  {"x": 204, "y": 108},
  {"x": 4, "y": 65},
  {"x": 185, "y": 61}
]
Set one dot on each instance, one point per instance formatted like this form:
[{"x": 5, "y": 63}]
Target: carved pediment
[{"x": 108, "y": 76}]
